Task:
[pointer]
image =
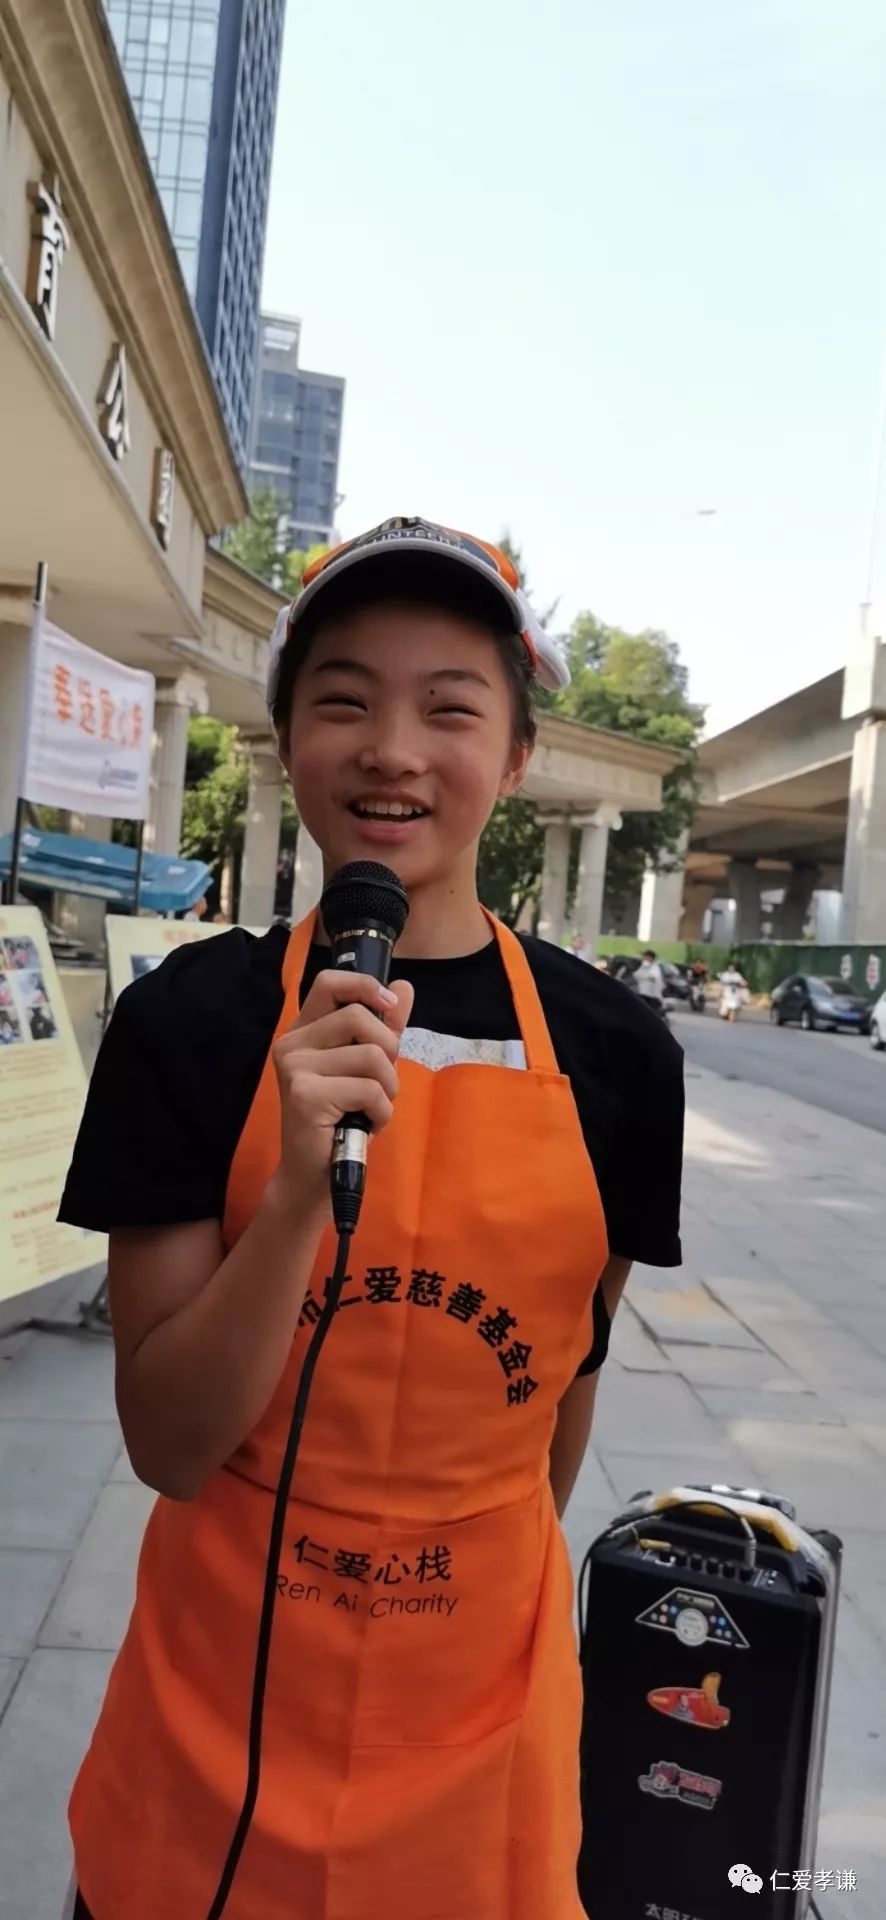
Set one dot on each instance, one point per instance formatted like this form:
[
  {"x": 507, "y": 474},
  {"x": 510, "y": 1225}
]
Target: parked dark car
[{"x": 819, "y": 1005}]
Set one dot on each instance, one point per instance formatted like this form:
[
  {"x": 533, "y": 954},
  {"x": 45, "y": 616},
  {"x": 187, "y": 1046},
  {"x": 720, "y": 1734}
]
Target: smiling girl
[{"x": 420, "y": 1750}]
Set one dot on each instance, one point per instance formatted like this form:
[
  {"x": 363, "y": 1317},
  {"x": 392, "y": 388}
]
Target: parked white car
[{"x": 878, "y": 1024}]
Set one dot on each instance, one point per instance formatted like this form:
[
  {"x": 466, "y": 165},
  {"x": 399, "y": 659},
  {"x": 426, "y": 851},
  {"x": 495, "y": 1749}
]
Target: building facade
[
  {"x": 203, "y": 76},
  {"x": 296, "y": 434}
]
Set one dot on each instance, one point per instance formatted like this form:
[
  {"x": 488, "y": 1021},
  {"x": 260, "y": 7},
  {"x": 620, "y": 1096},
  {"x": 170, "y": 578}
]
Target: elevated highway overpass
[{"x": 793, "y": 798}]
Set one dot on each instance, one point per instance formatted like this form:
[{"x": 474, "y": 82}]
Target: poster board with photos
[
  {"x": 137, "y": 943},
  {"x": 42, "y": 1090}
]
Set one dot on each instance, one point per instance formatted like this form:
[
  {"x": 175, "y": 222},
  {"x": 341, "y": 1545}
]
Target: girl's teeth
[{"x": 393, "y": 812}]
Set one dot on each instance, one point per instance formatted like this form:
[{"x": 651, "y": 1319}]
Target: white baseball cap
[{"x": 550, "y": 666}]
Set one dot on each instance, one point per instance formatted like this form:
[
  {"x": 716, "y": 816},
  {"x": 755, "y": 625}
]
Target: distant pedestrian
[{"x": 649, "y": 981}]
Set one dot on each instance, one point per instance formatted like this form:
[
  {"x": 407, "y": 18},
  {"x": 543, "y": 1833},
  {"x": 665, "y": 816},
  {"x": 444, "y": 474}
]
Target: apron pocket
[{"x": 448, "y": 1630}]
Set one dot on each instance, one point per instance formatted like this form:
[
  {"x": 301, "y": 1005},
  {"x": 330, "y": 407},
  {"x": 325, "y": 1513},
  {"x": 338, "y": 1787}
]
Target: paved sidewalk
[{"x": 762, "y": 1360}]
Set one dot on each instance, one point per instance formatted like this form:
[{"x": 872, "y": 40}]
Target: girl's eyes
[{"x": 350, "y": 700}]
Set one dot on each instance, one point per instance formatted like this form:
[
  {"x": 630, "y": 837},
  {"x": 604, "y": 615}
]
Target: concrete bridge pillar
[
  {"x": 864, "y": 874},
  {"x": 744, "y": 883},
  {"x": 661, "y": 900},
  {"x": 697, "y": 897},
  {"x": 791, "y": 916}
]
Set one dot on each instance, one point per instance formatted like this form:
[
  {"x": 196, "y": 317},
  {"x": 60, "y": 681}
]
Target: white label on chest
[{"x": 436, "y": 1050}]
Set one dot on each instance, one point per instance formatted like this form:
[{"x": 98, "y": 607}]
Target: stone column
[
  {"x": 175, "y": 701},
  {"x": 792, "y": 913},
  {"x": 308, "y": 875},
  {"x": 595, "y": 831},
  {"x": 661, "y": 900},
  {"x": 258, "y": 873},
  {"x": 743, "y": 884},
  {"x": 554, "y": 876},
  {"x": 14, "y": 642},
  {"x": 864, "y": 873}
]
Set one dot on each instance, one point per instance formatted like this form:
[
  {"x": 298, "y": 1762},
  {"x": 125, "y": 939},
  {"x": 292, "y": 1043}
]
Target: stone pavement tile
[
  {"x": 633, "y": 1473},
  {"x": 51, "y": 1473},
  {"x": 833, "y": 1479},
  {"x": 766, "y": 1297},
  {"x": 582, "y": 1525},
  {"x": 827, "y": 1357},
  {"x": 592, "y": 1486},
  {"x": 869, "y": 1326},
  {"x": 29, "y": 1579},
  {"x": 61, "y": 1379},
  {"x": 93, "y": 1605},
  {"x": 123, "y": 1470},
  {"x": 641, "y": 1411},
  {"x": 728, "y": 1404},
  {"x": 856, "y": 1407},
  {"x": 874, "y": 1434},
  {"x": 852, "y": 1828},
  {"x": 829, "y": 1284},
  {"x": 9, "y": 1672},
  {"x": 693, "y": 1316},
  {"x": 864, "y": 1578},
  {"x": 43, "y": 1737},
  {"x": 733, "y": 1367},
  {"x": 633, "y": 1347},
  {"x": 717, "y": 1250}
]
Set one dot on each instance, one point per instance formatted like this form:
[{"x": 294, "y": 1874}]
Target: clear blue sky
[{"x": 590, "y": 266}]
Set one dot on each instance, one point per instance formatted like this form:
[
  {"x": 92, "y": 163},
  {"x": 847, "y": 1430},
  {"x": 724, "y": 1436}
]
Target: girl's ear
[
  {"x": 283, "y": 754},
  {"x": 515, "y": 772}
]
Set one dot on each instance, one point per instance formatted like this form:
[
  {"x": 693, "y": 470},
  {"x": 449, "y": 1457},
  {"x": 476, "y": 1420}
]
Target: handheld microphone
[{"x": 364, "y": 910}]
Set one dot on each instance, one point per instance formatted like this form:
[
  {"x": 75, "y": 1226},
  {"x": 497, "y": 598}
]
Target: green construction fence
[{"x": 765, "y": 962}]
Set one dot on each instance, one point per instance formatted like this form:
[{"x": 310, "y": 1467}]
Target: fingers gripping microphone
[{"x": 364, "y": 910}]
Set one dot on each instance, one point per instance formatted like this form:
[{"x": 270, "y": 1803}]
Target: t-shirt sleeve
[{"x": 169, "y": 1093}]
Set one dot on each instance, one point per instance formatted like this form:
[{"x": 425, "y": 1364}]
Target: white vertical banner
[{"x": 89, "y": 730}]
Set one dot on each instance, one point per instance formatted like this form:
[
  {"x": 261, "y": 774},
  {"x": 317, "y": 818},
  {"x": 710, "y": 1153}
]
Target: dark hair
[
  {"x": 649, "y": 953},
  {"x": 413, "y": 579}
]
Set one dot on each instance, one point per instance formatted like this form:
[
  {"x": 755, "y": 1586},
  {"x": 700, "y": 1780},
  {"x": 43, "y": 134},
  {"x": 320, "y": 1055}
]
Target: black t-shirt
[{"x": 182, "y": 1056}]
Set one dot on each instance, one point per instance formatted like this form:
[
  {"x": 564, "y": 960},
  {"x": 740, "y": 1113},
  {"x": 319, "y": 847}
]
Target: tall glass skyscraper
[
  {"x": 296, "y": 434},
  {"x": 203, "y": 78}
]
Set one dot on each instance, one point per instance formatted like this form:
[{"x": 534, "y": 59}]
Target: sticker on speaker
[
  {"x": 669, "y": 1781},
  {"x": 694, "y": 1706},
  {"x": 697, "y": 1619}
]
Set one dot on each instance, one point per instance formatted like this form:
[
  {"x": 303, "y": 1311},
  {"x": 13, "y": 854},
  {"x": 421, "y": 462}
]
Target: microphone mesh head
[{"x": 364, "y": 890}]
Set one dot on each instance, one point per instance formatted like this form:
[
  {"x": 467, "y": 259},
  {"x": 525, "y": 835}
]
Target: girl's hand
[{"x": 338, "y": 1058}]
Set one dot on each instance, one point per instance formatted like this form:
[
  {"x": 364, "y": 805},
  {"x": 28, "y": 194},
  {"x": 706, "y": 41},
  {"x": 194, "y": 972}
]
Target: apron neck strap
[{"x": 540, "y": 1055}]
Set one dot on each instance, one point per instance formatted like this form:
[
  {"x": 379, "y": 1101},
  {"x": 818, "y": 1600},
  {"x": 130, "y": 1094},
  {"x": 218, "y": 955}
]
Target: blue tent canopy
[{"x": 99, "y": 870}]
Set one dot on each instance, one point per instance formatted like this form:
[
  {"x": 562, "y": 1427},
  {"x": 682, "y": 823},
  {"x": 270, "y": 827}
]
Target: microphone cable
[{"x": 275, "y": 1545}]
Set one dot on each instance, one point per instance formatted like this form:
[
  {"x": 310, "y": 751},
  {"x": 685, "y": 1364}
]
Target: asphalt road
[{"x": 839, "y": 1072}]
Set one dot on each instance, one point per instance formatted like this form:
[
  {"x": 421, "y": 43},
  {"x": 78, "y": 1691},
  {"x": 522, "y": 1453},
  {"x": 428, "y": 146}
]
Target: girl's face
[{"x": 401, "y": 741}]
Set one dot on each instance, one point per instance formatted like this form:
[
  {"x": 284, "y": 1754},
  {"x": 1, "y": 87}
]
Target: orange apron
[{"x": 421, "y": 1730}]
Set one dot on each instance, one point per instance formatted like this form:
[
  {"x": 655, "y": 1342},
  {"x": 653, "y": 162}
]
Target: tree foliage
[
  {"x": 630, "y": 683},
  {"x": 636, "y": 683},
  {"x": 259, "y": 544},
  {"x": 256, "y": 543},
  {"x": 216, "y": 788},
  {"x": 511, "y": 853},
  {"x": 215, "y": 800}
]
